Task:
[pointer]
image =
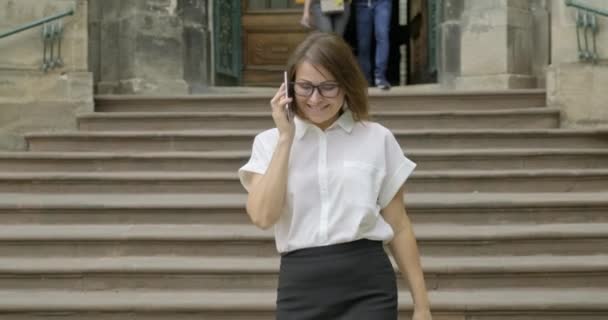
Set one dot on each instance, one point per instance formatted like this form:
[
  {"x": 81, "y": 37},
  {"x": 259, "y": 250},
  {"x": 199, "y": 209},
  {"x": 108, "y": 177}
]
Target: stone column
[
  {"x": 141, "y": 48},
  {"x": 197, "y": 43},
  {"x": 577, "y": 88},
  {"x": 449, "y": 48},
  {"x": 541, "y": 33},
  {"x": 496, "y": 45}
]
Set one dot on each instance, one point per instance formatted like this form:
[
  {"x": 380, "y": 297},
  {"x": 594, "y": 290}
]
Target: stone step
[
  {"x": 471, "y": 159},
  {"x": 227, "y": 182},
  {"x": 435, "y": 239},
  {"x": 251, "y": 273},
  {"x": 379, "y": 101},
  {"x": 231, "y": 140},
  {"x": 201, "y": 208},
  {"x": 154, "y": 121},
  {"x": 517, "y": 303}
]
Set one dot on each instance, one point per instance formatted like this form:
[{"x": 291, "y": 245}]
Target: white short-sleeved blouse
[{"x": 338, "y": 181}]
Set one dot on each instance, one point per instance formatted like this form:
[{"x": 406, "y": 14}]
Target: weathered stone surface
[
  {"x": 489, "y": 59},
  {"x": 495, "y": 82},
  {"x": 33, "y": 86},
  {"x": 154, "y": 47},
  {"x": 563, "y": 28},
  {"x": 541, "y": 52},
  {"x": 579, "y": 90},
  {"x": 18, "y": 119},
  {"x": 497, "y": 39},
  {"x": 449, "y": 53},
  {"x": 23, "y": 51},
  {"x": 30, "y": 99}
]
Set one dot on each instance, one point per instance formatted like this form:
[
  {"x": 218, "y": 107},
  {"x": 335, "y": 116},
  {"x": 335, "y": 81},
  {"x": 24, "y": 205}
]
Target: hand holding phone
[{"x": 288, "y": 111}]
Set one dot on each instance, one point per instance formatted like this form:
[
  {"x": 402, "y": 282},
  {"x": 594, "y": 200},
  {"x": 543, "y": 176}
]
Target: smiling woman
[
  {"x": 330, "y": 182},
  {"x": 321, "y": 103},
  {"x": 328, "y": 59}
]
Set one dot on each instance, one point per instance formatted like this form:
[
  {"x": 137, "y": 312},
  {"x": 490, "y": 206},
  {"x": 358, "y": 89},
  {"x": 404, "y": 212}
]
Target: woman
[
  {"x": 325, "y": 22},
  {"x": 330, "y": 182}
]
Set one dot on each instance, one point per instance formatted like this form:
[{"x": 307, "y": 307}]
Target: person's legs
[
  {"x": 364, "y": 36},
  {"x": 321, "y": 21},
  {"x": 382, "y": 22},
  {"x": 341, "y": 20}
]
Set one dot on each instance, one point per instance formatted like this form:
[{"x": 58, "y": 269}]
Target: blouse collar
[{"x": 345, "y": 121}]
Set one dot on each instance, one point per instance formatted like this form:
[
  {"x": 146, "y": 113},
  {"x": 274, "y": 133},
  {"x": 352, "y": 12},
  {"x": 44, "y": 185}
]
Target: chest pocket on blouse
[{"x": 361, "y": 182}]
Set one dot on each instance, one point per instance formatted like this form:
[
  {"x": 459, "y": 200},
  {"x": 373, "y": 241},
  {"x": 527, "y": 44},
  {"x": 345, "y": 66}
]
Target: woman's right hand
[{"x": 279, "y": 114}]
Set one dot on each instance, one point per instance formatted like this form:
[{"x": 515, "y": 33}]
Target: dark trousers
[{"x": 349, "y": 281}]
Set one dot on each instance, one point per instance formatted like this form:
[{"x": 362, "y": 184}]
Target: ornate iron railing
[
  {"x": 586, "y": 24},
  {"x": 52, "y": 35}
]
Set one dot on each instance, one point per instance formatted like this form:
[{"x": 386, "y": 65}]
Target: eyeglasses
[{"x": 325, "y": 89}]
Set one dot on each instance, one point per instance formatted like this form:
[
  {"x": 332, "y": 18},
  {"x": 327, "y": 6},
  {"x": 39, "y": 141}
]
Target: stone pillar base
[
  {"x": 27, "y": 86},
  {"x": 495, "y": 82},
  {"x": 143, "y": 87}
]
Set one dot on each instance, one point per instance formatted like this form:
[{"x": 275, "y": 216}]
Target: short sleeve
[
  {"x": 397, "y": 169},
  {"x": 258, "y": 163}
]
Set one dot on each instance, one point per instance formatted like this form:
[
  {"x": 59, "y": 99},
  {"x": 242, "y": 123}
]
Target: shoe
[{"x": 383, "y": 84}]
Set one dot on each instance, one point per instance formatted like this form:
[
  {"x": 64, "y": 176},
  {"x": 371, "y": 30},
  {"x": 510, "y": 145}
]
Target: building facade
[{"x": 177, "y": 47}]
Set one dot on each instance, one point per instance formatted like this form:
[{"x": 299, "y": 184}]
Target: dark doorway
[
  {"x": 419, "y": 66},
  {"x": 398, "y": 36}
]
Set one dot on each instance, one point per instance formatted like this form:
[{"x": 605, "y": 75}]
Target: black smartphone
[{"x": 288, "y": 108}]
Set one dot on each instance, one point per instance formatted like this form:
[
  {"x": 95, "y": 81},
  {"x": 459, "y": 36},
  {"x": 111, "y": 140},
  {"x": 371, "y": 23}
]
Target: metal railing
[
  {"x": 586, "y": 23},
  {"x": 52, "y": 36}
]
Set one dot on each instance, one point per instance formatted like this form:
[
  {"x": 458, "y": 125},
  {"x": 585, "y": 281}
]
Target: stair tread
[
  {"x": 197, "y": 175},
  {"x": 247, "y": 153},
  {"x": 532, "y": 299},
  {"x": 249, "y": 93},
  {"x": 249, "y": 264},
  {"x": 133, "y": 155},
  {"x": 252, "y": 132},
  {"x": 237, "y": 114},
  {"x": 225, "y": 232},
  {"x": 201, "y": 200}
]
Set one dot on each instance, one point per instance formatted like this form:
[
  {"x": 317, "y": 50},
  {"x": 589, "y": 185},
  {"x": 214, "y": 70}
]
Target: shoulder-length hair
[{"x": 335, "y": 55}]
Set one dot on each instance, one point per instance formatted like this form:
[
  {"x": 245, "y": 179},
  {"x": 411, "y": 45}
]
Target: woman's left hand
[
  {"x": 422, "y": 314},
  {"x": 306, "y": 20}
]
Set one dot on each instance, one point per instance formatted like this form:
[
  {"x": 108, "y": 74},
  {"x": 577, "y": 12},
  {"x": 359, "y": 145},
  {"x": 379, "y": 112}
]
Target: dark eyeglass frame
[{"x": 316, "y": 87}]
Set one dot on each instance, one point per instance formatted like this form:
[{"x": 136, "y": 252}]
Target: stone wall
[
  {"x": 30, "y": 99},
  {"x": 577, "y": 88}
]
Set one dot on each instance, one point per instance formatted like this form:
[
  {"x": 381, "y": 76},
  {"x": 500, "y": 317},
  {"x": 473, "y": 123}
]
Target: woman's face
[{"x": 318, "y": 96}]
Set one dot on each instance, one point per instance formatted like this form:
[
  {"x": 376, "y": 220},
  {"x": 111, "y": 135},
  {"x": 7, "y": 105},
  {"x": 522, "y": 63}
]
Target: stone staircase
[{"x": 140, "y": 215}]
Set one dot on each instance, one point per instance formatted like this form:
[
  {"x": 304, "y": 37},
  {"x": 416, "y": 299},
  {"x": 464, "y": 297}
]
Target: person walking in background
[
  {"x": 334, "y": 20},
  {"x": 330, "y": 183},
  {"x": 373, "y": 17}
]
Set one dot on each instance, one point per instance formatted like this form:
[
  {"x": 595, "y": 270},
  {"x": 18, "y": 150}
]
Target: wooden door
[
  {"x": 270, "y": 32},
  {"x": 423, "y": 26}
]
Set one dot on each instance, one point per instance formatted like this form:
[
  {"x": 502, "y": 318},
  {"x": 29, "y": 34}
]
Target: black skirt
[{"x": 353, "y": 281}]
